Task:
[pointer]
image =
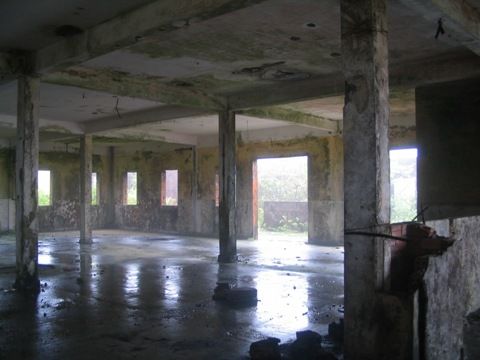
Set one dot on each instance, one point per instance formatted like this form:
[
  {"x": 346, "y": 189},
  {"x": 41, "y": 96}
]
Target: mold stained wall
[
  {"x": 199, "y": 215},
  {"x": 149, "y": 214},
  {"x": 325, "y": 184},
  {"x": 64, "y": 211},
  {"x": 7, "y": 198}
]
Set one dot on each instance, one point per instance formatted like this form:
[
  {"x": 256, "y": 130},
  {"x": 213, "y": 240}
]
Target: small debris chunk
[
  {"x": 220, "y": 292},
  {"x": 242, "y": 296},
  {"x": 237, "y": 296},
  {"x": 335, "y": 332},
  {"x": 307, "y": 346},
  {"x": 265, "y": 349}
]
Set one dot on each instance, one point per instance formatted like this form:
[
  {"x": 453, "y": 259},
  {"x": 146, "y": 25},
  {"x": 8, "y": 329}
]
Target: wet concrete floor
[{"x": 137, "y": 295}]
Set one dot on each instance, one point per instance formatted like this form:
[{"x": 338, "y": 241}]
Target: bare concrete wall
[
  {"x": 448, "y": 131},
  {"x": 206, "y": 209},
  {"x": 200, "y": 215},
  {"x": 193, "y": 215},
  {"x": 63, "y": 213},
  {"x": 325, "y": 187},
  {"x": 7, "y": 199},
  {"x": 452, "y": 283},
  {"x": 149, "y": 214}
]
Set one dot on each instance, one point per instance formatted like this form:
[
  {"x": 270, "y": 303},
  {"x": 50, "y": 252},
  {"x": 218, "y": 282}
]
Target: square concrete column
[
  {"x": 111, "y": 187},
  {"x": 227, "y": 182},
  {"x": 366, "y": 161},
  {"x": 26, "y": 171},
  {"x": 85, "y": 189}
]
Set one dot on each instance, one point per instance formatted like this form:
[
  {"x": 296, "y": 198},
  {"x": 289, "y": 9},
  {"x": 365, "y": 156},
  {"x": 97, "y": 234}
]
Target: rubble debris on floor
[
  {"x": 267, "y": 349},
  {"x": 235, "y": 296},
  {"x": 335, "y": 332},
  {"x": 307, "y": 346},
  {"x": 472, "y": 335}
]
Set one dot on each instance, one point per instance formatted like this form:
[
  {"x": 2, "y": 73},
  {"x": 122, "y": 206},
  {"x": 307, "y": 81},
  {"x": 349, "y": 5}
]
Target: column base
[
  {"x": 227, "y": 258},
  {"x": 85, "y": 241},
  {"x": 27, "y": 284}
]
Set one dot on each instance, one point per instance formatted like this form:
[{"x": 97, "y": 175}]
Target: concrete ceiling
[
  {"x": 31, "y": 24},
  {"x": 402, "y": 107},
  {"x": 72, "y": 104},
  {"x": 207, "y": 56},
  {"x": 273, "y": 41},
  {"x": 208, "y": 125}
]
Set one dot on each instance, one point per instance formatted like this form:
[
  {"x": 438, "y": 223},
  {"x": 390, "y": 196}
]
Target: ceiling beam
[
  {"x": 142, "y": 117},
  {"x": 405, "y": 75},
  {"x": 68, "y": 128},
  {"x": 286, "y": 91},
  {"x": 10, "y": 66},
  {"x": 130, "y": 28},
  {"x": 439, "y": 69},
  {"x": 283, "y": 133},
  {"x": 459, "y": 18},
  {"x": 138, "y": 86},
  {"x": 294, "y": 117},
  {"x": 141, "y": 134}
]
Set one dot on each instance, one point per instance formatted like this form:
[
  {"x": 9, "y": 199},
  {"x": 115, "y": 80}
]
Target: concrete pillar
[
  {"x": 85, "y": 189},
  {"x": 227, "y": 182},
  {"x": 366, "y": 181},
  {"x": 325, "y": 192},
  {"x": 195, "y": 209},
  {"x": 111, "y": 187},
  {"x": 26, "y": 170}
]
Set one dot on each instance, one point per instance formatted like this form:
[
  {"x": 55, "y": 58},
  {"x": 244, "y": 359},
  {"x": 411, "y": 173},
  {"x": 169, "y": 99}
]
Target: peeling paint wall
[
  {"x": 194, "y": 214},
  {"x": 63, "y": 213},
  {"x": 200, "y": 215},
  {"x": 149, "y": 214}
]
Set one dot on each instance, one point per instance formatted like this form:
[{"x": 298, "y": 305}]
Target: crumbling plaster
[
  {"x": 200, "y": 215},
  {"x": 193, "y": 215},
  {"x": 452, "y": 282},
  {"x": 63, "y": 213}
]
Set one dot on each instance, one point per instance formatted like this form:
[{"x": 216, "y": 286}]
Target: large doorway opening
[{"x": 281, "y": 199}]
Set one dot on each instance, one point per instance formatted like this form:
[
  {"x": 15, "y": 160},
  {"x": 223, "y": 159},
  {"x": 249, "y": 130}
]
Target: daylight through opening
[
  {"x": 44, "y": 188},
  {"x": 131, "y": 188},
  {"x": 283, "y": 198},
  {"x": 170, "y": 188},
  {"x": 403, "y": 184}
]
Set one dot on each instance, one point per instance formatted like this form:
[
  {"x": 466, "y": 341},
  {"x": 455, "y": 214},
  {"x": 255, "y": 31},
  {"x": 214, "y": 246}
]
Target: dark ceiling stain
[{"x": 257, "y": 69}]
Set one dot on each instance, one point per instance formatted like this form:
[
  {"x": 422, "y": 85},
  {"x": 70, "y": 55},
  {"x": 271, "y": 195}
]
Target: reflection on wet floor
[
  {"x": 284, "y": 302},
  {"x": 136, "y": 295}
]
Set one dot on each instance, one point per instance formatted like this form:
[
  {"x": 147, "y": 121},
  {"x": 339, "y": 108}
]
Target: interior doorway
[{"x": 280, "y": 200}]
